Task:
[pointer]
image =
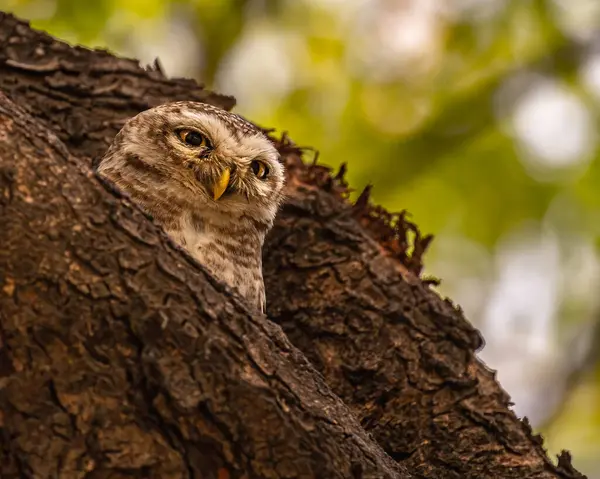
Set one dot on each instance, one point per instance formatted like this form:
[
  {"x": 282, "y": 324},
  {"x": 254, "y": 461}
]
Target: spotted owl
[{"x": 211, "y": 179}]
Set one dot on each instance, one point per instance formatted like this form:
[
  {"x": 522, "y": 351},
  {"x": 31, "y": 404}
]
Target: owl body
[
  {"x": 234, "y": 255},
  {"x": 211, "y": 179}
]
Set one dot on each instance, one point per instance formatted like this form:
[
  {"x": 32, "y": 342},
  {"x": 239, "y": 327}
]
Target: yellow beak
[{"x": 221, "y": 185}]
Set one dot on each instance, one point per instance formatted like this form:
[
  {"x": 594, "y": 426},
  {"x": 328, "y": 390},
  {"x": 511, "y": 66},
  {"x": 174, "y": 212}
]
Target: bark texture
[
  {"x": 339, "y": 282},
  {"x": 121, "y": 359},
  {"x": 400, "y": 356}
]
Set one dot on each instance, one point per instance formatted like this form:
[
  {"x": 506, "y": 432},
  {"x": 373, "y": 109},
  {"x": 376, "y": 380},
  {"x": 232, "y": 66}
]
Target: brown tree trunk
[
  {"x": 120, "y": 359},
  {"x": 339, "y": 282}
]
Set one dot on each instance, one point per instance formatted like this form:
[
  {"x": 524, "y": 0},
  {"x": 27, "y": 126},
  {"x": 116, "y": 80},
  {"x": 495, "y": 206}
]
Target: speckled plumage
[{"x": 172, "y": 181}]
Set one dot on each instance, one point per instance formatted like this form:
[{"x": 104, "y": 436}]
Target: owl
[{"x": 211, "y": 179}]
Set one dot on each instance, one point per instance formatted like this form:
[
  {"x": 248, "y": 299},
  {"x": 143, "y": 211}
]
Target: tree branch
[
  {"x": 339, "y": 280},
  {"x": 122, "y": 358}
]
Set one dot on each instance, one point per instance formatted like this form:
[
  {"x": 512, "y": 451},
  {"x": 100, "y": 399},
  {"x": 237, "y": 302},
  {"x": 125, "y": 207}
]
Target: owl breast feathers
[{"x": 211, "y": 179}]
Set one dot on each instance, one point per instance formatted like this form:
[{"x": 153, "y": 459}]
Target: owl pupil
[
  {"x": 194, "y": 138},
  {"x": 260, "y": 169}
]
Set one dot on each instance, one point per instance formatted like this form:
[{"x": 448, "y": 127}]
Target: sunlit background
[{"x": 480, "y": 117}]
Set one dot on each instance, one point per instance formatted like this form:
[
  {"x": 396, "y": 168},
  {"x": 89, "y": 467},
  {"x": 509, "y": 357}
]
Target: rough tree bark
[
  {"x": 339, "y": 282},
  {"x": 120, "y": 359}
]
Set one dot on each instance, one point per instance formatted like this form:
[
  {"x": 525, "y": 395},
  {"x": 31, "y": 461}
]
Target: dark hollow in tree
[{"x": 339, "y": 279}]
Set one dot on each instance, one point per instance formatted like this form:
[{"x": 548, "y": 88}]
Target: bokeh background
[{"x": 479, "y": 117}]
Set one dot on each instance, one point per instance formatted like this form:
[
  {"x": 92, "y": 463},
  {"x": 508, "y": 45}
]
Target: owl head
[{"x": 191, "y": 155}]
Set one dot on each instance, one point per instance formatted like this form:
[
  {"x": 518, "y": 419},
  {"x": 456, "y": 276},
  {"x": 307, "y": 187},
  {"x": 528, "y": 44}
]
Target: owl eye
[
  {"x": 260, "y": 169},
  {"x": 193, "y": 138}
]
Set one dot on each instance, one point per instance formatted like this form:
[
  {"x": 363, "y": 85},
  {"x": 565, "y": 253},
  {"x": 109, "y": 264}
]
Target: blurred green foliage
[{"x": 435, "y": 137}]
